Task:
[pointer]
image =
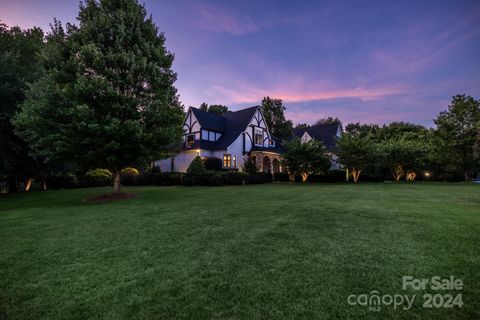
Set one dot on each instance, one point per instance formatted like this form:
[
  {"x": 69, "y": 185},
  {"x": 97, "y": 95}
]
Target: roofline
[{"x": 257, "y": 106}]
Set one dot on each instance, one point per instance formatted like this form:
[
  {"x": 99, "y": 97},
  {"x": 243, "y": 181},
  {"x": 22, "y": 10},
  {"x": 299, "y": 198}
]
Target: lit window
[
  {"x": 234, "y": 161},
  {"x": 227, "y": 161},
  {"x": 272, "y": 143},
  {"x": 190, "y": 140},
  {"x": 258, "y": 137}
]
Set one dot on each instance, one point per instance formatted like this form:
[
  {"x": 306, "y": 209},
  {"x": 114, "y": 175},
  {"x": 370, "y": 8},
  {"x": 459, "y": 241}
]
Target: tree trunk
[
  {"x": 116, "y": 182},
  {"x": 304, "y": 177},
  {"x": 356, "y": 174},
  {"x": 28, "y": 184},
  {"x": 465, "y": 174}
]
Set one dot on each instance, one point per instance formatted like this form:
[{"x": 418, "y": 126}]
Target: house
[
  {"x": 327, "y": 134},
  {"x": 231, "y": 137}
]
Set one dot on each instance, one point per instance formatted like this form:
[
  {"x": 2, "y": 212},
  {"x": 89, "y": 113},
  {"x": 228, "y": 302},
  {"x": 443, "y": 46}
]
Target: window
[
  {"x": 205, "y": 134},
  {"x": 190, "y": 140},
  {"x": 208, "y": 135},
  {"x": 234, "y": 161},
  {"x": 272, "y": 143},
  {"x": 211, "y": 135},
  {"x": 227, "y": 161},
  {"x": 258, "y": 137}
]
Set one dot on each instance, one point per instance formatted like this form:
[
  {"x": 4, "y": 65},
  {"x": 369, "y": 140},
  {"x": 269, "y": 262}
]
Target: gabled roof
[
  {"x": 231, "y": 124},
  {"x": 209, "y": 121},
  {"x": 326, "y": 133}
]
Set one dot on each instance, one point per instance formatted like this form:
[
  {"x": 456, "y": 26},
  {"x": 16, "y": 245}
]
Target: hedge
[
  {"x": 216, "y": 180},
  {"x": 234, "y": 178},
  {"x": 167, "y": 179},
  {"x": 259, "y": 178},
  {"x": 281, "y": 177}
]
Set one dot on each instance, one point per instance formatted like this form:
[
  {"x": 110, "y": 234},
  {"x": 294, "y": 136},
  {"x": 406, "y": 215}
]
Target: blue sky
[{"x": 361, "y": 61}]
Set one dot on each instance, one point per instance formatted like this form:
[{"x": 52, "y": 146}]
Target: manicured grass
[{"x": 241, "y": 252}]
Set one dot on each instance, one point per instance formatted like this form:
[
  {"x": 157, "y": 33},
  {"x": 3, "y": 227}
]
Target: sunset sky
[{"x": 361, "y": 61}]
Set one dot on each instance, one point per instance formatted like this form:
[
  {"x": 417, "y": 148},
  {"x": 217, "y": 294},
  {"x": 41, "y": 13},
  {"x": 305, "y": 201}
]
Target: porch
[{"x": 268, "y": 161}]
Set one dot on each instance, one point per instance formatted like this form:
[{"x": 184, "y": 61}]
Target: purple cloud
[{"x": 214, "y": 18}]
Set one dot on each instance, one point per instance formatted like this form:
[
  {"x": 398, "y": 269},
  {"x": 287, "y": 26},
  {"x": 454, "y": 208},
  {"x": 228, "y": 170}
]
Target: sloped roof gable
[
  {"x": 231, "y": 124},
  {"x": 326, "y": 133}
]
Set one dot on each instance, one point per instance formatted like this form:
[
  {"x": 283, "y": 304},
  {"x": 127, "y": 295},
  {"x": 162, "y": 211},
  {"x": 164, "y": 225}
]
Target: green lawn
[{"x": 240, "y": 252}]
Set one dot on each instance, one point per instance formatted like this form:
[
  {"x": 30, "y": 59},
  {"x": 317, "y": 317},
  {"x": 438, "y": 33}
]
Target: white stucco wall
[{"x": 181, "y": 161}]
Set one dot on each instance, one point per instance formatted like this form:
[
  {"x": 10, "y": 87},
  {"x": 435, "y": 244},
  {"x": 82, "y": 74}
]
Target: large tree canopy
[
  {"x": 19, "y": 64},
  {"x": 107, "y": 98},
  {"x": 273, "y": 111},
  {"x": 213, "y": 108},
  {"x": 459, "y": 131},
  {"x": 405, "y": 158},
  {"x": 327, "y": 121},
  {"x": 355, "y": 152},
  {"x": 306, "y": 158}
]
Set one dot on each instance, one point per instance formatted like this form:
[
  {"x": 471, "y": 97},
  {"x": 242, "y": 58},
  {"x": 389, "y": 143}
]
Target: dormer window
[
  {"x": 258, "y": 137},
  {"x": 209, "y": 135},
  {"x": 190, "y": 140}
]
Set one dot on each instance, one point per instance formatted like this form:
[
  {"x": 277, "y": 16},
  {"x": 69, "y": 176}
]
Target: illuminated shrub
[
  {"x": 130, "y": 170},
  {"x": 99, "y": 177}
]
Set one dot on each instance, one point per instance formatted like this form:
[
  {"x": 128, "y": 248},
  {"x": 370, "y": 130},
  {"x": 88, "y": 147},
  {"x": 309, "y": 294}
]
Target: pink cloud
[
  {"x": 216, "y": 19},
  {"x": 245, "y": 93},
  {"x": 381, "y": 112}
]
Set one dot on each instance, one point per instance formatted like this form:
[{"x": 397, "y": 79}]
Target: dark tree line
[
  {"x": 103, "y": 96},
  {"x": 100, "y": 94},
  {"x": 406, "y": 150}
]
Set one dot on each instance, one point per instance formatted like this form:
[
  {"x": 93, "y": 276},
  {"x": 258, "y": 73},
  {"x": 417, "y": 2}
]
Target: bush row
[
  {"x": 216, "y": 179},
  {"x": 211, "y": 178}
]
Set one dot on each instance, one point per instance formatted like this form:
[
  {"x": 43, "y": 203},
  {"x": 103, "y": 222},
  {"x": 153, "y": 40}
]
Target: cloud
[
  {"x": 252, "y": 94},
  {"x": 401, "y": 107},
  {"x": 216, "y": 19},
  {"x": 425, "y": 44}
]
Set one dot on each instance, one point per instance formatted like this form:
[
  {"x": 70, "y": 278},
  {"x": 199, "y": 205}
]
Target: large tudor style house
[
  {"x": 235, "y": 136},
  {"x": 232, "y": 137}
]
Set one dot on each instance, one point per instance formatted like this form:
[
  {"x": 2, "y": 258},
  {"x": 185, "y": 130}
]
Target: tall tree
[
  {"x": 274, "y": 113},
  {"x": 402, "y": 130},
  {"x": 327, "y": 121},
  {"x": 405, "y": 158},
  {"x": 305, "y": 158},
  {"x": 301, "y": 126},
  {"x": 107, "y": 98},
  {"x": 459, "y": 132},
  {"x": 214, "y": 108},
  {"x": 217, "y": 108},
  {"x": 19, "y": 65},
  {"x": 355, "y": 152},
  {"x": 360, "y": 129}
]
